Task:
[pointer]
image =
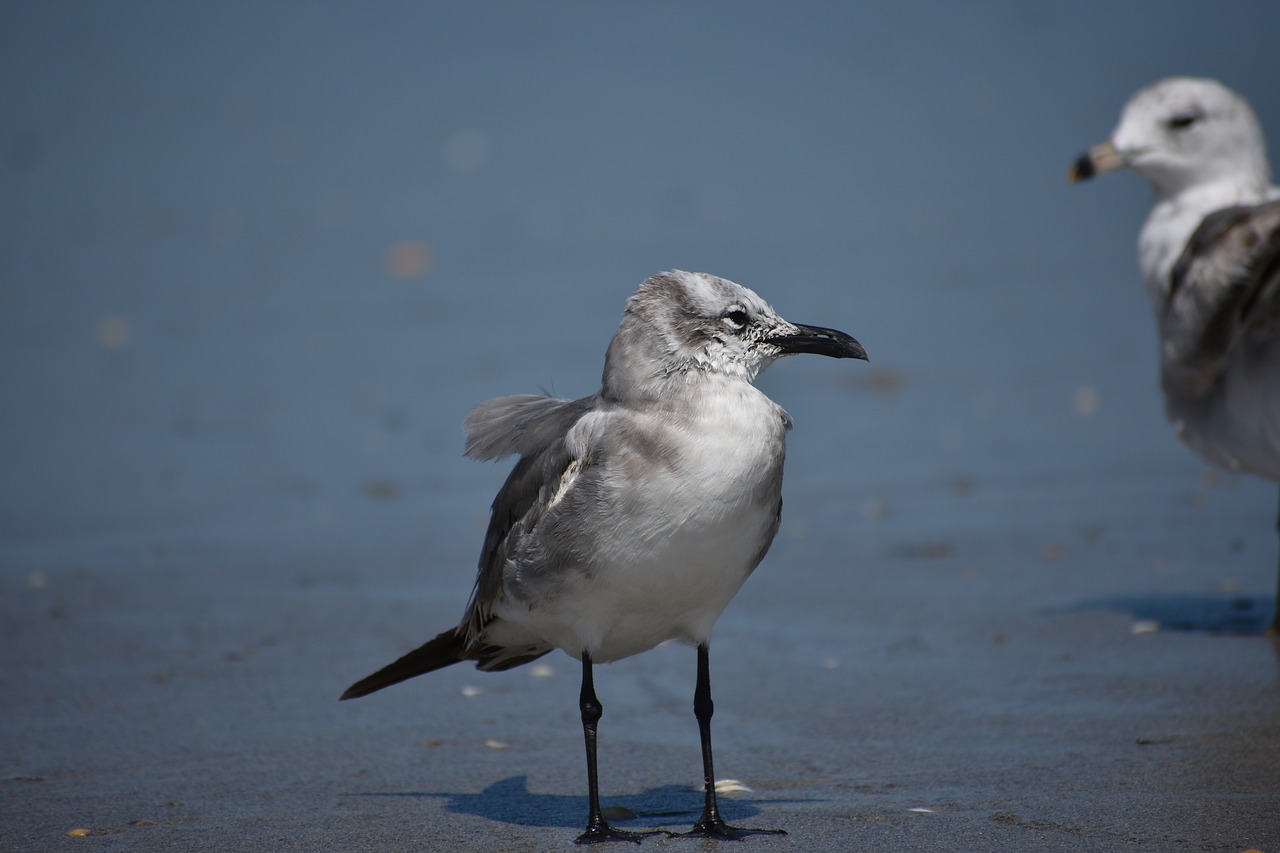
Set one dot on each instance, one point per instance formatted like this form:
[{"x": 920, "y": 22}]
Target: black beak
[{"x": 819, "y": 341}]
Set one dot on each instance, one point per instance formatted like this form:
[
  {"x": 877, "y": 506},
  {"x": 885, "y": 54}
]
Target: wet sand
[{"x": 983, "y": 692}]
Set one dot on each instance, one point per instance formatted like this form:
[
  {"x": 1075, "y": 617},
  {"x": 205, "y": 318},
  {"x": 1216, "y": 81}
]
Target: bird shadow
[
  {"x": 1199, "y": 614},
  {"x": 510, "y": 801}
]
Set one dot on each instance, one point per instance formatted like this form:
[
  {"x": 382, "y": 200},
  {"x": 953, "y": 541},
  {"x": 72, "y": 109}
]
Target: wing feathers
[
  {"x": 520, "y": 423},
  {"x": 444, "y": 650},
  {"x": 1224, "y": 288},
  {"x": 552, "y": 452}
]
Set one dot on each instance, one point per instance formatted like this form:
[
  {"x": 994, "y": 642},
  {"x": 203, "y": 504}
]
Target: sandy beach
[{"x": 257, "y": 265}]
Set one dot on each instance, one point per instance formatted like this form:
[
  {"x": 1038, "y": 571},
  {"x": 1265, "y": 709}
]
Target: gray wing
[
  {"x": 1224, "y": 289},
  {"x": 520, "y": 423},
  {"x": 534, "y": 427}
]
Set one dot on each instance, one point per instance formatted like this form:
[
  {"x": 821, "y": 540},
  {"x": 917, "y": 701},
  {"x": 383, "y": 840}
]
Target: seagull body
[
  {"x": 649, "y": 565},
  {"x": 633, "y": 516},
  {"x": 1209, "y": 252}
]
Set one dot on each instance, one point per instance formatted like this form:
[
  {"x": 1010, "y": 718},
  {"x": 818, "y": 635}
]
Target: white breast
[{"x": 678, "y": 538}]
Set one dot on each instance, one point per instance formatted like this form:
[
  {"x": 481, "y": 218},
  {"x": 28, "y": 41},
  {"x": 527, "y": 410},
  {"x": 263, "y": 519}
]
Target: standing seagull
[
  {"x": 1210, "y": 254},
  {"x": 633, "y": 515}
]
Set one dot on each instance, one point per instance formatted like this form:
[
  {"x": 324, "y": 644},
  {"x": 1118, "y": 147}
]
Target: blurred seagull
[
  {"x": 1210, "y": 254},
  {"x": 634, "y": 515}
]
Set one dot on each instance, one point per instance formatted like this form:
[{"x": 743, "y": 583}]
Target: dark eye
[
  {"x": 736, "y": 318},
  {"x": 1183, "y": 120}
]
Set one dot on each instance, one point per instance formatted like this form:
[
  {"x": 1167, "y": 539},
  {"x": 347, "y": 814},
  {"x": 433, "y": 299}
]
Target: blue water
[{"x": 209, "y": 339}]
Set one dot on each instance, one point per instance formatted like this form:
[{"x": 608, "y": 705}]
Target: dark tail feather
[{"x": 443, "y": 651}]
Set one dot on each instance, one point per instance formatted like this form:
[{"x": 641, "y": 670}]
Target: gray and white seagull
[
  {"x": 1210, "y": 254},
  {"x": 634, "y": 515}
]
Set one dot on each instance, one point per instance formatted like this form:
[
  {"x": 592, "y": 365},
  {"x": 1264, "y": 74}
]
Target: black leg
[
  {"x": 711, "y": 825},
  {"x": 1275, "y": 619},
  {"x": 597, "y": 829}
]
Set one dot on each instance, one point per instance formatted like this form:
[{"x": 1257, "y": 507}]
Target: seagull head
[
  {"x": 687, "y": 324},
  {"x": 1184, "y": 133}
]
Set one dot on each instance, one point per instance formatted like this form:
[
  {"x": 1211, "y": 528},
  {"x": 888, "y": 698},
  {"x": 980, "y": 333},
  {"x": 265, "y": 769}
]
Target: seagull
[
  {"x": 1210, "y": 254},
  {"x": 634, "y": 515}
]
